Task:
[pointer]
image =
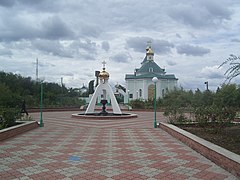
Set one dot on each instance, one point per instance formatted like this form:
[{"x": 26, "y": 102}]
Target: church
[{"x": 140, "y": 85}]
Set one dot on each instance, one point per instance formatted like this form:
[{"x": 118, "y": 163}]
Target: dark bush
[
  {"x": 137, "y": 104},
  {"x": 8, "y": 117}
]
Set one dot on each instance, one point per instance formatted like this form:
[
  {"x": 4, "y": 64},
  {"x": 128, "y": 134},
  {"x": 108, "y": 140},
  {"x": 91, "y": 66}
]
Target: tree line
[
  {"x": 17, "y": 91},
  {"x": 14, "y": 89},
  {"x": 206, "y": 106},
  {"x": 180, "y": 105}
]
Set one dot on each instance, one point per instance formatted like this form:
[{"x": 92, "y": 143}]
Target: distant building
[
  {"x": 140, "y": 85},
  {"x": 83, "y": 89}
]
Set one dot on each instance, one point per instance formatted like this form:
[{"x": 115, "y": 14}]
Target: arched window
[{"x": 150, "y": 69}]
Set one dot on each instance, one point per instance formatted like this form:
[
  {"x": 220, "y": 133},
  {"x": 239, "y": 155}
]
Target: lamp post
[
  {"x": 41, "y": 106},
  {"x": 155, "y": 80},
  {"x": 128, "y": 98}
]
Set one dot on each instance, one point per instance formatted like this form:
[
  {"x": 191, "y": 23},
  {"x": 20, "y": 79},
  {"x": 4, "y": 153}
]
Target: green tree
[
  {"x": 227, "y": 96},
  {"x": 176, "y": 103},
  {"x": 5, "y": 95},
  {"x": 15, "y": 88},
  {"x": 91, "y": 87}
]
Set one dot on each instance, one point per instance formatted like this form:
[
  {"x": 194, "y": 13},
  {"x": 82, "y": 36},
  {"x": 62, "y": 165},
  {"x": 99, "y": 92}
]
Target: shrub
[
  {"x": 137, "y": 104},
  {"x": 215, "y": 116},
  {"x": 175, "y": 115},
  {"x": 202, "y": 115},
  {"x": 8, "y": 117}
]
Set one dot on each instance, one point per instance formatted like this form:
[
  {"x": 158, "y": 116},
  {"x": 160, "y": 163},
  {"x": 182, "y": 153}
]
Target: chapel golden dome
[{"x": 104, "y": 74}]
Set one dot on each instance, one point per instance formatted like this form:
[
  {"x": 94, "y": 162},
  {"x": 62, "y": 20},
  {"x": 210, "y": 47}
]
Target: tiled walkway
[{"x": 69, "y": 148}]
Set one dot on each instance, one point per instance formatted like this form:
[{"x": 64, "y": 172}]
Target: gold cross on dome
[
  {"x": 104, "y": 63},
  {"x": 149, "y": 43}
]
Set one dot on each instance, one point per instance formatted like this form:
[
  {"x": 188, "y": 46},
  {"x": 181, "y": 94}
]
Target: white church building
[{"x": 139, "y": 85}]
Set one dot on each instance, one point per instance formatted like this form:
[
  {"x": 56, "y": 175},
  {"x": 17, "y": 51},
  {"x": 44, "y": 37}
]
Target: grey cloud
[
  {"x": 105, "y": 45},
  {"x": 17, "y": 28},
  {"x": 192, "y": 50},
  {"x": 67, "y": 74},
  {"x": 87, "y": 56},
  {"x": 5, "y": 52},
  {"x": 7, "y": 3},
  {"x": 17, "y": 45},
  {"x": 121, "y": 57},
  {"x": 216, "y": 9},
  {"x": 89, "y": 74},
  {"x": 192, "y": 35},
  {"x": 235, "y": 40},
  {"x": 137, "y": 15},
  {"x": 178, "y": 35},
  {"x": 30, "y": 5},
  {"x": 55, "y": 28},
  {"x": 138, "y": 44},
  {"x": 90, "y": 30},
  {"x": 215, "y": 75},
  {"x": 87, "y": 45},
  {"x": 162, "y": 46},
  {"x": 212, "y": 73},
  {"x": 171, "y": 63},
  {"x": 200, "y": 13},
  {"x": 43, "y": 64},
  {"x": 51, "y": 47}
]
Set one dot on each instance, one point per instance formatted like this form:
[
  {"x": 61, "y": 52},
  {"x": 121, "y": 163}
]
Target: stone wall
[
  {"x": 18, "y": 129},
  {"x": 222, "y": 157}
]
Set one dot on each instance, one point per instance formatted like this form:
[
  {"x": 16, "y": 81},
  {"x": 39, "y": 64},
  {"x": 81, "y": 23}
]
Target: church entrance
[{"x": 151, "y": 91}]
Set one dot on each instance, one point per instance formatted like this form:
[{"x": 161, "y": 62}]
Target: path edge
[
  {"x": 220, "y": 156},
  {"x": 18, "y": 129}
]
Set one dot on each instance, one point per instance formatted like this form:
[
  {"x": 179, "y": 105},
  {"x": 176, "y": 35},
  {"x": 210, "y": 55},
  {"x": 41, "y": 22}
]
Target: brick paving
[{"x": 68, "y": 148}]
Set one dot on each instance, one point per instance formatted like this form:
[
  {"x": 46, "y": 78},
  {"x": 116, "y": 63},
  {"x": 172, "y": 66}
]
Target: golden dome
[
  {"x": 150, "y": 51},
  {"x": 103, "y": 75}
]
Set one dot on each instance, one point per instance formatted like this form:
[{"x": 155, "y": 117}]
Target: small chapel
[{"x": 139, "y": 84}]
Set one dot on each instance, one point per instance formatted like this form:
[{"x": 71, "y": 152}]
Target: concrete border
[
  {"x": 125, "y": 116},
  {"x": 222, "y": 157},
  {"x": 18, "y": 129}
]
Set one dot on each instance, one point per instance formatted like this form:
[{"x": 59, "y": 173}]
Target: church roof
[
  {"x": 150, "y": 69},
  {"x": 150, "y": 76},
  {"x": 144, "y": 60},
  {"x": 150, "y": 66}
]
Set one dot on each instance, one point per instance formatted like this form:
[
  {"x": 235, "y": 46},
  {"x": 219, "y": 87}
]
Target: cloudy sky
[{"x": 71, "y": 38}]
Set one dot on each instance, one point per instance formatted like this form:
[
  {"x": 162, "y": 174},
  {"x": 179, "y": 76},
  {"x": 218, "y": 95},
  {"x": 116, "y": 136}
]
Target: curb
[
  {"x": 220, "y": 156},
  {"x": 18, "y": 129}
]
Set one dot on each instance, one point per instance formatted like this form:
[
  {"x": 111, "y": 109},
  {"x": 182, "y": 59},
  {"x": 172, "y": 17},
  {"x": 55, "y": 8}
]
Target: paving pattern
[{"x": 67, "y": 148}]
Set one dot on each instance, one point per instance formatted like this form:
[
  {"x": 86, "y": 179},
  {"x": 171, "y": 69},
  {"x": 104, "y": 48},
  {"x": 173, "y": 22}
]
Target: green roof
[
  {"x": 150, "y": 76},
  {"x": 148, "y": 70},
  {"x": 144, "y": 60},
  {"x": 150, "y": 66}
]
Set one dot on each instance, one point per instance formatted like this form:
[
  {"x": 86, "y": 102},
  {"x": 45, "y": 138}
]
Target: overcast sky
[{"x": 71, "y": 38}]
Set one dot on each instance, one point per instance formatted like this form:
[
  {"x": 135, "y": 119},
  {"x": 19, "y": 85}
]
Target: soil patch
[{"x": 228, "y": 137}]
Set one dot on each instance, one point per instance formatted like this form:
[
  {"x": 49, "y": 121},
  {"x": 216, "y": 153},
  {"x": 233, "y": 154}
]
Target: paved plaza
[{"x": 68, "y": 148}]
